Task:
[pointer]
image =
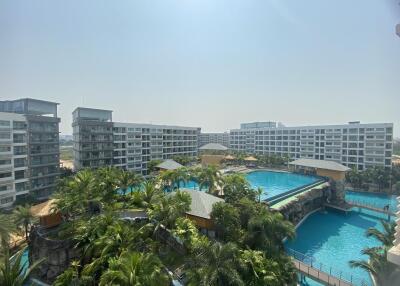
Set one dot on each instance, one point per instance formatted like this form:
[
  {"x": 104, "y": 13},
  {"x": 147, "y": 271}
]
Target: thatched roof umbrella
[
  {"x": 43, "y": 209},
  {"x": 250, "y": 159}
]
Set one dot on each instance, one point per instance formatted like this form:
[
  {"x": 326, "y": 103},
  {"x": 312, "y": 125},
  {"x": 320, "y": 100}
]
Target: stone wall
[
  {"x": 57, "y": 254},
  {"x": 304, "y": 204}
]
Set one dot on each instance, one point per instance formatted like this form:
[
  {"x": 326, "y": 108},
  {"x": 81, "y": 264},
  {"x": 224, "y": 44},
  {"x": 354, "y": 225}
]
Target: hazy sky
[{"x": 206, "y": 63}]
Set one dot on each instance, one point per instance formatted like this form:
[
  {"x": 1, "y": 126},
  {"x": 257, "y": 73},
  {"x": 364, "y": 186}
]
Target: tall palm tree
[
  {"x": 135, "y": 269},
  {"x": 179, "y": 176},
  {"x": 166, "y": 179},
  {"x": 107, "y": 183},
  {"x": 217, "y": 265},
  {"x": 128, "y": 180},
  {"x": 7, "y": 226},
  {"x": 150, "y": 193},
  {"x": 124, "y": 181},
  {"x": 12, "y": 272},
  {"x": 23, "y": 218},
  {"x": 209, "y": 177},
  {"x": 260, "y": 192},
  {"x": 74, "y": 193}
]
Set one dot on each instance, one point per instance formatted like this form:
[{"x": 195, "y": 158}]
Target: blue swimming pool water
[
  {"x": 191, "y": 185},
  {"x": 275, "y": 183},
  {"x": 25, "y": 259},
  {"x": 377, "y": 200},
  {"x": 334, "y": 238}
]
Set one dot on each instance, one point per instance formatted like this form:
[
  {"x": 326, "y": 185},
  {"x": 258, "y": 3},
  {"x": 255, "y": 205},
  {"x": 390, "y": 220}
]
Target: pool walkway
[
  {"x": 318, "y": 275},
  {"x": 357, "y": 204}
]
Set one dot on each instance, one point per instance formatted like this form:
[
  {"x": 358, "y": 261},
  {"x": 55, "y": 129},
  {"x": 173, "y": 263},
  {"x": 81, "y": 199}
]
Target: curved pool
[{"x": 332, "y": 238}]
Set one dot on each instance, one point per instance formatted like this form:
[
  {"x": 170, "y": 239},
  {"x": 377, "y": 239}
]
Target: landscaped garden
[{"x": 113, "y": 250}]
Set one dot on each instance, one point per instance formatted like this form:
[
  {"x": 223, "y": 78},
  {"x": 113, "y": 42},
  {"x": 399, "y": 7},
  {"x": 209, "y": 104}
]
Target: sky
[{"x": 206, "y": 63}]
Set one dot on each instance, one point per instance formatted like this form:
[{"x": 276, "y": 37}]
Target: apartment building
[
  {"x": 354, "y": 144},
  {"x": 29, "y": 149},
  {"x": 220, "y": 138},
  {"x": 98, "y": 141}
]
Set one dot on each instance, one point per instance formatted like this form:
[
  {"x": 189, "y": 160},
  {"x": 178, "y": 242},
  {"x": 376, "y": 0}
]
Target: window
[
  {"x": 5, "y": 188},
  {"x": 6, "y": 200},
  {"x": 5, "y": 162},
  {"x": 19, "y": 175},
  {"x": 5, "y": 135},
  {"x": 19, "y": 125},
  {"x": 19, "y": 162},
  {"x": 5, "y": 148},
  {"x": 4, "y": 123},
  {"x": 5, "y": 175}
]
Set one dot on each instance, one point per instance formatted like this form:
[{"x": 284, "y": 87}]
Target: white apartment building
[
  {"x": 355, "y": 145},
  {"x": 220, "y": 138},
  {"x": 13, "y": 158},
  {"x": 100, "y": 142},
  {"x": 29, "y": 150}
]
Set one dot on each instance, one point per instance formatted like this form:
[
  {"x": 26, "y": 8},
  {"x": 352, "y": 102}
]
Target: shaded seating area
[
  {"x": 323, "y": 168},
  {"x": 212, "y": 154},
  {"x": 250, "y": 161}
]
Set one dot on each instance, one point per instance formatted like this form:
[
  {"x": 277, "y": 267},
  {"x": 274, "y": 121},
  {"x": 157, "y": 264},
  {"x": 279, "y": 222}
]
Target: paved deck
[{"x": 319, "y": 276}]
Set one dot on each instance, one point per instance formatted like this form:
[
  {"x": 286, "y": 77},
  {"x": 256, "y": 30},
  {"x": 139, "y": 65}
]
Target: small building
[
  {"x": 47, "y": 218},
  {"x": 168, "y": 164},
  {"x": 200, "y": 210},
  {"x": 212, "y": 154},
  {"x": 323, "y": 168}
]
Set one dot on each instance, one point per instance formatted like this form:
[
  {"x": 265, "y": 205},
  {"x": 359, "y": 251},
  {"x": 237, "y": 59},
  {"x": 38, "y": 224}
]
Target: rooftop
[
  {"x": 169, "y": 164},
  {"x": 320, "y": 164},
  {"x": 213, "y": 146},
  {"x": 202, "y": 203}
]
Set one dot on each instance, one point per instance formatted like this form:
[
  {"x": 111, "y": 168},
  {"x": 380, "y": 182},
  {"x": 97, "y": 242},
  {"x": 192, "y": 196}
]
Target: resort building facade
[
  {"x": 220, "y": 138},
  {"x": 354, "y": 145},
  {"x": 98, "y": 141},
  {"x": 29, "y": 149}
]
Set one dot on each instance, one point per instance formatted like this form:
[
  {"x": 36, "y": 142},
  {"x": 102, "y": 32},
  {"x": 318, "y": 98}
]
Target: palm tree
[
  {"x": 23, "y": 218},
  {"x": 150, "y": 193},
  {"x": 260, "y": 192},
  {"x": 74, "y": 193},
  {"x": 124, "y": 181},
  {"x": 166, "y": 179},
  {"x": 267, "y": 230},
  {"x": 107, "y": 183},
  {"x": 135, "y": 269},
  {"x": 169, "y": 208},
  {"x": 384, "y": 272},
  {"x": 236, "y": 187},
  {"x": 12, "y": 272},
  {"x": 7, "y": 226},
  {"x": 385, "y": 237},
  {"x": 209, "y": 177},
  {"x": 128, "y": 180},
  {"x": 217, "y": 265}
]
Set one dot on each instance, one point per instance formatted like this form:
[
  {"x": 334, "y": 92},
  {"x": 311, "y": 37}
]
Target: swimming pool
[
  {"x": 374, "y": 199},
  {"x": 276, "y": 183},
  {"x": 334, "y": 238}
]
